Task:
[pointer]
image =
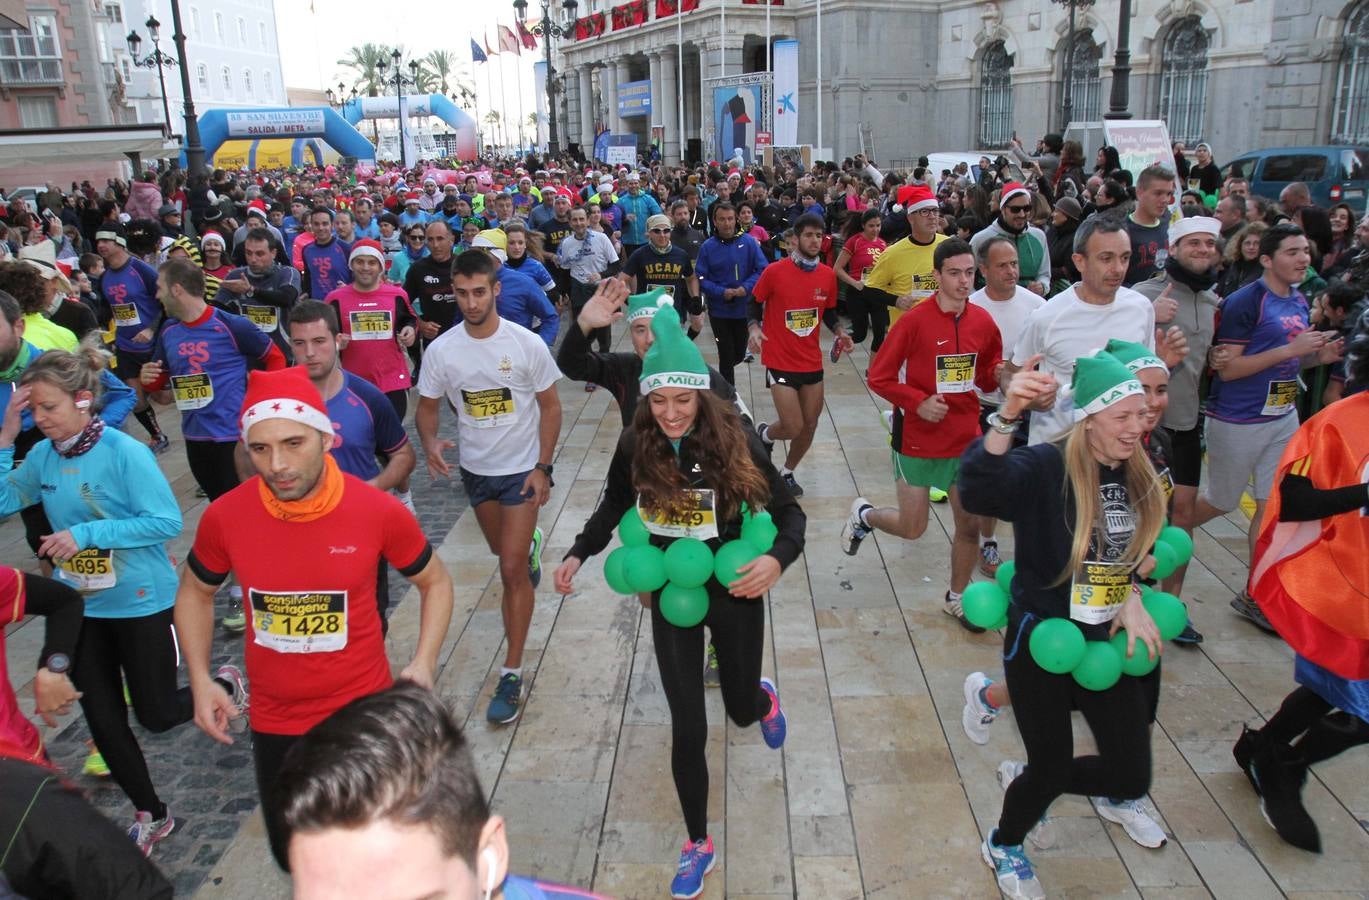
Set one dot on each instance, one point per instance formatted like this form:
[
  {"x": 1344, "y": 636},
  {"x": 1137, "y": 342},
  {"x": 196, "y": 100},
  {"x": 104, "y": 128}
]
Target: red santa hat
[
  {"x": 366, "y": 247},
  {"x": 913, "y": 197},
  {"x": 283, "y": 394},
  {"x": 1010, "y": 190}
]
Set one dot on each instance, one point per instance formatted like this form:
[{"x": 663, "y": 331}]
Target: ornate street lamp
[
  {"x": 1066, "y": 103},
  {"x": 400, "y": 81},
  {"x": 549, "y": 31},
  {"x": 154, "y": 60},
  {"x": 194, "y": 152}
]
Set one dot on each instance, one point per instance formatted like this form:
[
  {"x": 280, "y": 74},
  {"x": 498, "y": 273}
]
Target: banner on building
[
  {"x": 590, "y": 26},
  {"x": 785, "y": 60},
  {"x": 539, "y": 90},
  {"x": 629, "y": 14},
  {"x": 616, "y": 149},
  {"x": 634, "y": 99},
  {"x": 670, "y": 7}
]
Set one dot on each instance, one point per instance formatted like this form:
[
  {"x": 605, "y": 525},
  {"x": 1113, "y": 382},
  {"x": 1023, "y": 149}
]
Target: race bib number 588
[{"x": 299, "y": 621}]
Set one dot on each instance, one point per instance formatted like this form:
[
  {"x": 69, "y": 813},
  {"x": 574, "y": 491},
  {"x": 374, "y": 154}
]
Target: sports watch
[{"x": 57, "y": 663}]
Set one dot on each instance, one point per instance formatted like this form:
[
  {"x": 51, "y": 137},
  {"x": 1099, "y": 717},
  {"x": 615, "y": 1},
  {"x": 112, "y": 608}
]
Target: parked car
[{"x": 1333, "y": 174}]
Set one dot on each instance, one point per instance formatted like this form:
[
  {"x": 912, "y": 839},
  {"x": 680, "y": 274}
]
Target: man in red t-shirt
[
  {"x": 304, "y": 540},
  {"x": 934, "y": 357},
  {"x": 788, "y": 301}
]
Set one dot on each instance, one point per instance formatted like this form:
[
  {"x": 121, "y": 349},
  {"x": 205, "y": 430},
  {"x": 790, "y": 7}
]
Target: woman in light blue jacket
[{"x": 111, "y": 511}]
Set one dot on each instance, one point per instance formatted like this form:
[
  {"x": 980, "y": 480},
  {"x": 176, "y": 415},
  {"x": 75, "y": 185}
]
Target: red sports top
[
  {"x": 793, "y": 301},
  {"x": 929, "y": 351},
  {"x": 18, "y": 737},
  {"x": 310, "y": 588}
]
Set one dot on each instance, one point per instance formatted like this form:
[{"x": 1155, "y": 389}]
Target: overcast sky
[{"x": 312, "y": 42}]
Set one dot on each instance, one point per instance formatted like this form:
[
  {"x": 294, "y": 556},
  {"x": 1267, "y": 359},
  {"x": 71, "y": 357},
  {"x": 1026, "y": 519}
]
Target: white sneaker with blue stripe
[{"x": 1016, "y": 877}]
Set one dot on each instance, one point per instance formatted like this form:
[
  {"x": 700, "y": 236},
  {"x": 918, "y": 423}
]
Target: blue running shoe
[
  {"x": 773, "y": 726},
  {"x": 535, "y": 558},
  {"x": 506, "y": 703},
  {"x": 1016, "y": 878},
  {"x": 696, "y": 861}
]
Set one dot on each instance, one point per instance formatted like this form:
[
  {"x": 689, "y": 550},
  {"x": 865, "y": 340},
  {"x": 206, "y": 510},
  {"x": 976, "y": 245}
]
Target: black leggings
[
  {"x": 738, "y": 631},
  {"x": 1118, "y": 717},
  {"x": 142, "y": 653},
  {"x": 400, "y": 401},
  {"x": 212, "y": 465},
  {"x": 731, "y": 336},
  {"x": 869, "y": 313},
  {"x": 1325, "y": 732},
  {"x": 268, "y": 755}
]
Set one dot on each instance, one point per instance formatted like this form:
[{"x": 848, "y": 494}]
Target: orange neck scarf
[{"x": 315, "y": 506}]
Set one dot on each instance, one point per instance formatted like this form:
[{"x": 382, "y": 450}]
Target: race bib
[
  {"x": 865, "y": 273},
  {"x": 125, "y": 314},
  {"x": 697, "y": 520},
  {"x": 89, "y": 570},
  {"x": 1166, "y": 482},
  {"x": 489, "y": 408},
  {"x": 1098, "y": 592},
  {"x": 266, "y": 318},
  {"x": 1281, "y": 397},
  {"x": 192, "y": 391},
  {"x": 668, "y": 288},
  {"x": 802, "y": 322},
  {"x": 371, "y": 325},
  {"x": 955, "y": 373},
  {"x": 299, "y": 621}
]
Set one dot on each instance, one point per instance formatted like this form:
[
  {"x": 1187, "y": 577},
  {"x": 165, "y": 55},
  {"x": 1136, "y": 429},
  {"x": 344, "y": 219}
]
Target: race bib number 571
[{"x": 299, "y": 621}]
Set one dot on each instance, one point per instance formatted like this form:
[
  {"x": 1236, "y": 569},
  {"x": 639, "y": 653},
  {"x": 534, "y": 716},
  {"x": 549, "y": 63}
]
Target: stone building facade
[{"x": 900, "y": 78}]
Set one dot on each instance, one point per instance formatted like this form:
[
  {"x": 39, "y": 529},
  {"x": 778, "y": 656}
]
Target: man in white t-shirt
[
  {"x": 501, "y": 380},
  {"x": 1008, "y": 304},
  {"x": 1082, "y": 318},
  {"x": 588, "y": 256}
]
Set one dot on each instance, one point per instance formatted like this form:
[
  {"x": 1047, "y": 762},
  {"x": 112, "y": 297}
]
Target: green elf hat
[
  {"x": 644, "y": 306},
  {"x": 672, "y": 361},
  {"x": 1135, "y": 356},
  {"x": 1100, "y": 381}
]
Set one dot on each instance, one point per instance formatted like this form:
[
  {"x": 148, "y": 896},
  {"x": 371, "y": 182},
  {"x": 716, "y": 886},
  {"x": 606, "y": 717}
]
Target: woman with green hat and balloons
[
  {"x": 707, "y": 527},
  {"x": 1078, "y": 633}
]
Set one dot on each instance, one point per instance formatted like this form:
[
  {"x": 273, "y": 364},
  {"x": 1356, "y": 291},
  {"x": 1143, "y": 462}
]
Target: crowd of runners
[{"x": 1102, "y": 361}]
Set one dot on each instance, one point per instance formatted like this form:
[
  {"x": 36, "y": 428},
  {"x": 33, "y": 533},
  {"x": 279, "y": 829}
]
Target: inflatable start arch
[
  {"x": 419, "y": 106},
  {"x": 220, "y": 125}
]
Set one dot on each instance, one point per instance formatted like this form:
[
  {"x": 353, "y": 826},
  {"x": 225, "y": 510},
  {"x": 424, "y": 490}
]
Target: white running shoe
[
  {"x": 977, "y": 716},
  {"x": 855, "y": 531},
  {"x": 1042, "y": 835},
  {"x": 1016, "y": 877},
  {"x": 1135, "y": 821}
]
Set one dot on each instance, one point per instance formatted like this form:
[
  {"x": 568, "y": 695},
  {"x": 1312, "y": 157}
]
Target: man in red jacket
[{"x": 934, "y": 357}]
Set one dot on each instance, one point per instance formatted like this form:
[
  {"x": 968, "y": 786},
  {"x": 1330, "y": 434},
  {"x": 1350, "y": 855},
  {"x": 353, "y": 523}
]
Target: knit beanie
[
  {"x": 1100, "y": 381},
  {"x": 641, "y": 306},
  {"x": 672, "y": 361},
  {"x": 1135, "y": 356},
  {"x": 283, "y": 394}
]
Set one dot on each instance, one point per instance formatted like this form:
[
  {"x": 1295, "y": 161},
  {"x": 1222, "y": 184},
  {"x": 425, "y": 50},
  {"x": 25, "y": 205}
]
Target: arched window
[
  {"x": 227, "y": 81},
  {"x": 1183, "y": 80},
  {"x": 1080, "y": 64},
  {"x": 202, "y": 75},
  {"x": 1350, "y": 124},
  {"x": 247, "y": 81},
  {"x": 995, "y": 96}
]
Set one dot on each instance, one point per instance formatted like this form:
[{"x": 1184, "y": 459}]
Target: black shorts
[
  {"x": 128, "y": 364},
  {"x": 793, "y": 380},
  {"x": 1186, "y": 455}
]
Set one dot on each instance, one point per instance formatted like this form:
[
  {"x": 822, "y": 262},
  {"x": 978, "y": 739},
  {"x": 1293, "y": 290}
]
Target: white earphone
[
  {"x": 491, "y": 861},
  {"x": 82, "y": 404}
]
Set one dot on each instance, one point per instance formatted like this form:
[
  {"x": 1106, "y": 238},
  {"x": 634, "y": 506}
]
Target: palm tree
[
  {"x": 365, "y": 63},
  {"x": 534, "y": 118},
  {"x": 493, "y": 118},
  {"x": 440, "y": 63}
]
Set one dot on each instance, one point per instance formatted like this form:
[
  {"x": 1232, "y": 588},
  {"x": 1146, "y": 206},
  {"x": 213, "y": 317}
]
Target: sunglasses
[
  {"x": 1018, "y": 209},
  {"x": 660, "y": 231},
  {"x": 416, "y": 237}
]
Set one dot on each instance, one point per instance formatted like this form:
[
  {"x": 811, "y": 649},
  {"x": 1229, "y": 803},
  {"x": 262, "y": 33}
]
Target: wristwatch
[
  {"x": 544, "y": 468},
  {"x": 1002, "y": 425},
  {"x": 57, "y": 663}
]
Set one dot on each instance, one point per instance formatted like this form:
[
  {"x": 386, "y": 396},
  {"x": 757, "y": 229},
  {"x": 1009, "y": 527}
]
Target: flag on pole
[
  {"x": 488, "y": 51},
  {"x": 527, "y": 37},
  {"x": 507, "y": 41},
  {"x": 477, "y": 55}
]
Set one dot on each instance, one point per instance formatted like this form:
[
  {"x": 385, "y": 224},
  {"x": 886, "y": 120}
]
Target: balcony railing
[{"x": 31, "y": 72}]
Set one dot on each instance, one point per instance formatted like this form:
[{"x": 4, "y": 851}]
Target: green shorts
[{"x": 916, "y": 471}]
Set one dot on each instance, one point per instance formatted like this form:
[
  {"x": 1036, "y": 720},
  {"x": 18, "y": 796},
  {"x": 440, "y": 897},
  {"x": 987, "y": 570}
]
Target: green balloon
[
  {"x": 984, "y": 603},
  {"x": 760, "y": 531},
  {"x": 1140, "y": 662},
  {"x": 1057, "y": 645},
  {"x": 730, "y": 557},
  {"x": 688, "y": 563},
  {"x": 1000, "y": 624},
  {"x": 632, "y": 530},
  {"x": 1179, "y": 541},
  {"x": 1004, "y": 575},
  {"x": 613, "y": 571},
  {"x": 1100, "y": 668},
  {"x": 644, "y": 568},
  {"x": 1166, "y": 561},
  {"x": 684, "y": 607},
  {"x": 1169, "y": 613}
]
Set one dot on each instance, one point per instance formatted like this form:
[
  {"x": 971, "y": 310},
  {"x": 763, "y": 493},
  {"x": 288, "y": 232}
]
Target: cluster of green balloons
[
  {"x": 1058, "y": 646},
  {"x": 681, "y": 570},
  {"x": 1173, "y": 548}
]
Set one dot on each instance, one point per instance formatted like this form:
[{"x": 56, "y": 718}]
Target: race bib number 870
[{"x": 299, "y": 621}]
